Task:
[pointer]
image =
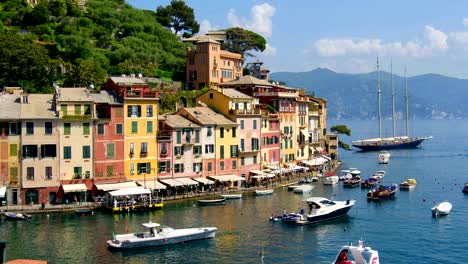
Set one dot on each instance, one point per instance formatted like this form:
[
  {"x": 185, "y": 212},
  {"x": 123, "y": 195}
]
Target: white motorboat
[
  {"x": 384, "y": 157},
  {"x": 443, "y": 208},
  {"x": 378, "y": 175},
  {"x": 304, "y": 188},
  {"x": 232, "y": 196},
  {"x": 345, "y": 175},
  {"x": 292, "y": 187},
  {"x": 263, "y": 192},
  {"x": 331, "y": 180},
  {"x": 408, "y": 184},
  {"x": 158, "y": 235},
  {"x": 357, "y": 255},
  {"x": 322, "y": 209}
]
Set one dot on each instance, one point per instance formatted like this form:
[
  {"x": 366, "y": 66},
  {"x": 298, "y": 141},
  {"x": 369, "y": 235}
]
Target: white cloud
[
  {"x": 269, "y": 50},
  {"x": 465, "y": 21},
  {"x": 205, "y": 26},
  {"x": 436, "y": 40},
  {"x": 260, "y": 21},
  {"x": 460, "y": 37}
]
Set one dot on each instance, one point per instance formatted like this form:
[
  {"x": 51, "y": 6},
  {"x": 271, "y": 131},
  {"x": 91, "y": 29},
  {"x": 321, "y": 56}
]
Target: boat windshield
[{"x": 327, "y": 202}]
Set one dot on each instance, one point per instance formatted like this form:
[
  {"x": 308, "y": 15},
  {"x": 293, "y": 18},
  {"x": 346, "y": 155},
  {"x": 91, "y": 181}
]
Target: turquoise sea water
[{"x": 402, "y": 230}]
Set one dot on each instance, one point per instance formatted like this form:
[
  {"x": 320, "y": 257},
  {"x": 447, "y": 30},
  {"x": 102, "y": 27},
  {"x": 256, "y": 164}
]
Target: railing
[
  {"x": 141, "y": 94},
  {"x": 245, "y": 111}
]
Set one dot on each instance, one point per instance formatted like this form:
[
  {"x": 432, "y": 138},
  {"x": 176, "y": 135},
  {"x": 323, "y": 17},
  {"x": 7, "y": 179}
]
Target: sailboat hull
[{"x": 387, "y": 145}]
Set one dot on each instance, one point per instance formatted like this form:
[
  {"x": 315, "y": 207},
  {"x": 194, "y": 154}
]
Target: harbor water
[{"x": 402, "y": 230}]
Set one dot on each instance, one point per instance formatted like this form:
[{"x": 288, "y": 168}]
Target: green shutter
[
  {"x": 149, "y": 127},
  {"x": 85, "y": 128},
  {"x": 66, "y": 128},
  {"x": 13, "y": 150},
  {"x": 134, "y": 127},
  {"x": 63, "y": 109},
  {"x": 110, "y": 150},
  {"x": 148, "y": 167},
  {"x": 119, "y": 130},
  {"x": 139, "y": 168},
  {"x": 77, "y": 109}
]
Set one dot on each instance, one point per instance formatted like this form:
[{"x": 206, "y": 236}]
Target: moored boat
[
  {"x": 384, "y": 157},
  {"x": 16, "y": 216},
  {"x": 442, "y": 208},
  {"x": 370, "y": 182},
  {"x": 305, "y": 188},
  {"x": 331, "y": 180},
  {"x": 357, "y": 255},
  {"x": 345, "y": 175},
  {"x": 158, "y": 235},
  {"x": 379, "y": 175},
  {"x": 220, "y": 201},
  {"x": 232, "y": 196},
  {"x": 323, "y": 209},
  {"x": 263, "y": 192},
  {"x": 353, "y": 182},
  {"x": 465, "y": 188},
  {"x": 408, "y": 184},
  {"x": 383, "y": 192}
]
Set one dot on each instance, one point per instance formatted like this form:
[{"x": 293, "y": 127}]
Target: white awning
[
  {"x": 305, "y": 132},
  {"x": 258, "y": 172},
  {"x": 171, "y": 182},
  {"x": 204, "y": 180},
  {"x": 2, "y": 191},
  {"x": 79, "y": 187},
  {"x": 130, "y": 191},
  {"x": 153, "y": 185},
  {"x": 186, "y": 181},
  {"x": 115, "y": 186},
  {"x": 225, "y": 178}
]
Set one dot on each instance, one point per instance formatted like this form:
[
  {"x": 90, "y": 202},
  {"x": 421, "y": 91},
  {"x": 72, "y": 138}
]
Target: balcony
[
  {"x": 141, "y": 94},
  {"x": 76, "y": 117},
  {"x": 188, "y": 141},
  {"x": 314, "y": 113},
  {"x": 143, "y": 153},
  {"x": 245, "y": 112},
  {"x": 248, "y": 150}
]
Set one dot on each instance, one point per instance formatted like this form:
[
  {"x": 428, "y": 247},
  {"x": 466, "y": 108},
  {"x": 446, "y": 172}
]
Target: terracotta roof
[
  {"x": 74, "y": 95},
  {"x": 206, "y": 116},
  {"x": 39, "y": 106},
  {"x": 176, "y": 121}
]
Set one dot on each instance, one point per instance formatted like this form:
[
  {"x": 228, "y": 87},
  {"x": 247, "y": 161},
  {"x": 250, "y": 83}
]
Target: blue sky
[{"x": 346, "y": 36}]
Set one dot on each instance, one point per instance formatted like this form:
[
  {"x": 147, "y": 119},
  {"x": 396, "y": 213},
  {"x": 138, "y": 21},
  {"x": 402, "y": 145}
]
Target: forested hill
[
  {"x": 354, "y": 96},
  {"x": 90, "y": 41}
]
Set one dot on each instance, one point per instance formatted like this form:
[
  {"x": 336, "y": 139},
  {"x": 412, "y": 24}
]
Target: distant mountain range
[{"x": 354, "y": 96}]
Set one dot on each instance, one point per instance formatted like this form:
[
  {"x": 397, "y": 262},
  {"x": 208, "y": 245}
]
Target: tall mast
[
  {"x": 378, "y": 96},
  {"x": 406, "y": 101},
  {"x": 393, "y": 99}
]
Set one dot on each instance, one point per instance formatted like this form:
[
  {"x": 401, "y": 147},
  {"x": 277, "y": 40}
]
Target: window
[
  {"x": 63, "y": 109},
  {"x": 234, "y": 132},
  {"x": 209, "y": 132},
  {"x": 118, "y": 111},
  {"x": 77, "y": 172},
  {"x": 110, "y": 151},
  {"x": 86, "y": 152},
  {"x": 77, "y": 109},
  {"x": 255, "y": 124},
  {"x": 87, "y": 109},
  {"x": 188, "y": 136},
  {"x": 110, "y": 170},
  {"x": 234, "y": 151},
  {"x": 210, "y": 166},
  {"x": 242, "y": 161},
  {"x": 209, "y": 148},
  {"x": 242, "y": 124},
  {"x": 242, "y": 144},
  {"x": 14, "y": 173},
  {"x": 255, "y": 144},
  {"x": 118, "y": 129},
  {"x": 85, "y": 128},
  {"x": 48, "y": 151},
  {"x": 134, "y": 127},
  {"x": 48, "y": 173},
  {"x": 30, "y": 173},
  {"x": 13, "y": 150},
  {"x": 29, "y": 151},
  {"x": 221, "y": 152},
  {"x": 179, "y": 137},
  {"x": 48, "y": 128},
  {"x": 66, "y": 128},
  {"x": 134, "y": 111},
  {"x": 179, "y": 168},
  {"x": 164, "y": 166},
  {"x": 149, "y": 111},
  {"x": 87, "y": 174},
  {"x": 14, "y": 129},
  {"x": 132, "y": 148},
  {"x": 197, "y": 150},
  {"x": 255, "y": 159},
  {"x": 100, "y": 174},
  {"x": 67, "y": 152},
  {"x": 197, "y": 136},
  {"x": 132, "y": 168},
  {"x": 178, "y": 151},
  {"x": 149, "y": 126},
  {"x": 221, "y": 132},
  {"x": 211, "y": 95},
  {"x": 144, "y": 148},
  {"x": 143, "y": 168},
  {"x": 221, "y": 165},
  {"x": 100, "y": 129},
  {"x": 197, "y": 167},
  {"x": 163, "y": 148},
  {"x": 234, "y": 164}
]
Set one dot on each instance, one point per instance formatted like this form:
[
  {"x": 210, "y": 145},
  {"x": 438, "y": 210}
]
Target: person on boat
[
  {"x": 343, "y": 258},
  {"x": 284, "y": 212}
]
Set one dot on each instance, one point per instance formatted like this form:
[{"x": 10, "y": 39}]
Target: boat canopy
[
  {"x": 115, "y": 186},
  {"x": 79, "y": 187},
  {"x": 151, "y": 225},
  {"x": 130, "y": 191}
]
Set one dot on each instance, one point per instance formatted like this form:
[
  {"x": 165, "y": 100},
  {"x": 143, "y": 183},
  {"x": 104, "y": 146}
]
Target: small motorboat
[
  {"x": 208, "y": 202},
  {"x": 84, "y": 212},
  {"x": 353, "y": 182},
  {"x": 345, "y": 175},
  {"x": 263, "y": 192},
  {"x": 331, "y": 180},
  {"x": 384, "y": 157},
  {"x": 465, "y": 188},
  {"x": 305, "y": 188},
  {"x": 323, "y": 209},
  {"x": 232, "y": 196},
  {"x": 370, "y": 182},
  {"x": 16, "y": 216},
  {"x": 378, "y": 175},
  {"x": 292, "y": 187},
  {"x": 408, "y": 184},
  {"x": 158, "y": 235},
  {"x": 383, "y": 192},
  {"x": 357, "y": 255},
  {"x": 443, "y": 208}
]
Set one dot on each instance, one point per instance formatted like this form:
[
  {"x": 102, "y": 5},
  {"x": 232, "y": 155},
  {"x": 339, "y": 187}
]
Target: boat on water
[
  {"x": 383, "y": 192},
  {"x": 345, "y": 174},
  {"x": 263, "y": 192},
  {"x": 84, "y": 212},
  {"x": 158, "y": 235},
  {"x": 370, "y": 182},
  {"x": 442, "y": 208},
  {"x": 232, "y": 196},
  {"x": 331, "y": 180},
  {"x": 323, "y": 209},
  {"x": 378, "y": 175},
  {"x": 353, "y": 182},
  {"x": 304, "y": 188},
  {"x": 292, "y": 187},
  {"x": 408, "y": 184},
  {"x": 16, "y": 216},
  {"x": 359, "y": 254},
  {"x": 394, "y": 142},
  {"x": 384, "y": 157},
  {"x": 208, "y": 202},
  {"x": 465, "y": 188}
]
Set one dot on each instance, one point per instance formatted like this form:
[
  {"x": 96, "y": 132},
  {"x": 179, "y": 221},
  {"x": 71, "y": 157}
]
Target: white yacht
[
  {"x": 384, "y": 157},
  {"x": 357, "y": 254},
  {"x": 322, "y": 209},
  {"x": 331, "y": 180},
  {"x": 158, "y": 235}
]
